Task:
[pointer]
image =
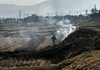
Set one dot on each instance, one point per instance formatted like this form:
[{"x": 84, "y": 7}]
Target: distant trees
[
  {"x": 33, "y": 18},
  {"x": 95, "y": 14}
]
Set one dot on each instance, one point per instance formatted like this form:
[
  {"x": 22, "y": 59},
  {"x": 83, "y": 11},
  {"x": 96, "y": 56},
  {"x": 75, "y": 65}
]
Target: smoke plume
[
  {"x": 33, "y": 35},
  {"x": 65, "y": 28}
]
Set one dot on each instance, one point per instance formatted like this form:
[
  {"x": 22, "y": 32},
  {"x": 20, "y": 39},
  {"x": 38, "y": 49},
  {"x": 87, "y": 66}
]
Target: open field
[
  {"x": 13, "y": 36},
  {"x": 80, "y": 50},
  {"x": 30, "y": 36}
]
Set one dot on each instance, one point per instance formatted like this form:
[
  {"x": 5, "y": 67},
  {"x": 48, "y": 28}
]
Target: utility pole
[
  {"x": 69, "y": 13},
  {"x": 56, "y": 13},
  {"x": 27, "y": 14},
  {"x": 95, "y": 9},
  {"x": 86, "y": 12},
  {"x": 24, "y": 15},
  {"x": 77, "y": 13},
  {"x": 51, "y": 14},
  {"x": 48, "y": 14},
  {"x": 19, "y": 14},
  {"x": 94, "y": 6}
]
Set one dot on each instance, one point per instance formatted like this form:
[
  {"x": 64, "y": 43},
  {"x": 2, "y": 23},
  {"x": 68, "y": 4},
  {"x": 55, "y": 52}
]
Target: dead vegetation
[
  {"x": 22, "y": 63},
  {"x": 85, "y": 61},
  {"x": 79, "y": 51}
]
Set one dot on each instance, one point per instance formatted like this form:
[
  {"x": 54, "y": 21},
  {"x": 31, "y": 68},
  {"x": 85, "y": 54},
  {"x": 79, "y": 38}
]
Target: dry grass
[
  {"x": 80, "y": 51},
  {"x": 22, "y": 63},
  {"x": 85, "y": 61}
]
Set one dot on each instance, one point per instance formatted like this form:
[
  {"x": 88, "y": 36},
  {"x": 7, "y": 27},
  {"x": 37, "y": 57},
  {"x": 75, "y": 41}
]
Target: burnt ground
[
  {"x": 80, "y": 50},
  {"x": 82, "y": 40}
]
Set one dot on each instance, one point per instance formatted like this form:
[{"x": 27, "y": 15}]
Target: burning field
[
  {"x": 80, "y": 50},
  {"x": 32, "y": 36},
  {"x": 30, "y": 47}
]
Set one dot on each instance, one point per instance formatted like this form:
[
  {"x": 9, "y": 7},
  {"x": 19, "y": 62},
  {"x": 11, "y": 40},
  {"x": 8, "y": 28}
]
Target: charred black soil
[{"x": 81, "y": 41}]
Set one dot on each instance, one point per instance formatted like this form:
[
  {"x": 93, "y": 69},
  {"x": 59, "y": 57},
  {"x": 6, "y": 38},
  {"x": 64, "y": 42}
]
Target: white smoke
[
  {"x": 65, "y": 28},
  {"x": 31, "y": 36}
]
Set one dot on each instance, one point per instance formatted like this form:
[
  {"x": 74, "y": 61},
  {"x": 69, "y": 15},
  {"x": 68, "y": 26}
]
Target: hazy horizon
[
  {"x": 42, "y": 7},
  {"x": 21, "y": 2},
  {"x": 34, "y": 2}
]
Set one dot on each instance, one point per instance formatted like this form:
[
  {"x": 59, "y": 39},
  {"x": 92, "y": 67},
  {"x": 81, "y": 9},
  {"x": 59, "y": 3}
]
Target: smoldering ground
[{"x": 30, "y": 36}]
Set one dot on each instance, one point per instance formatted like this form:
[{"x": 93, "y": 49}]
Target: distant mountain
[
  {"x": 61, "y": 6},
  {"x": 44, "y": 8},
  {"x": 50, "y": 6},
  {"x": 9, "y": 7},
  {"x": 9, "y": 10}
]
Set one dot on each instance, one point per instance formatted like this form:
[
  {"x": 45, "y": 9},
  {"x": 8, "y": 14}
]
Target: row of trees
[{"x": 95, "y": 14}]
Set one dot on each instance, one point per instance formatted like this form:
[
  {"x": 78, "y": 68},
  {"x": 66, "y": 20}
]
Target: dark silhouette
[{"x": 53, "y": 39}]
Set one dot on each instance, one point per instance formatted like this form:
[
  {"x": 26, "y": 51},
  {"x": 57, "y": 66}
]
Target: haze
[
  {"x": 43, "y": 7},
  {"x": 21, "y": 2}
]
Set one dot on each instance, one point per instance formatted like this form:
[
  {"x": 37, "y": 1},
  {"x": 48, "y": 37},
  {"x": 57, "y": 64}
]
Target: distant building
[
  {"x": 10, "y": 20},
  {"x": 33, "y": 18},
  {"x": 94, "y": 10}
]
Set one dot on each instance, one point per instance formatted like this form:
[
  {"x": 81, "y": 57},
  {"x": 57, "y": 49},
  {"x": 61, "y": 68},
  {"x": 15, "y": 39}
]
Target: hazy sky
[
  {"x": 51, "y": 6},
  {"x": 33, "y": 2},
  {"x": 21, "y": 2}
]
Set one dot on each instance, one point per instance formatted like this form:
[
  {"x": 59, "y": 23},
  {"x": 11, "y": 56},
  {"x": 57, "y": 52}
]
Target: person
[{"x": 53, "y": 39}]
